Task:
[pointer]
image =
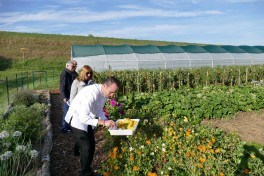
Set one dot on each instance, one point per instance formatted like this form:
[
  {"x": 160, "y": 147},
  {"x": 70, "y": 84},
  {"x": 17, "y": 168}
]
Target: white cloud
[{"x": 82, "y": 15}]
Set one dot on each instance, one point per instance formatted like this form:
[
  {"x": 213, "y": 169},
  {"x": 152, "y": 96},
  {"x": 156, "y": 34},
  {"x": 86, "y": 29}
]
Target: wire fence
[{"x": 31, "y": 80}]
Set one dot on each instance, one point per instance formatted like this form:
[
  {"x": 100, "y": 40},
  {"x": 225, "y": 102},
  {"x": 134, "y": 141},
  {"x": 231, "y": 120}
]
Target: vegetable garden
[{"x": 170, "y": 139}]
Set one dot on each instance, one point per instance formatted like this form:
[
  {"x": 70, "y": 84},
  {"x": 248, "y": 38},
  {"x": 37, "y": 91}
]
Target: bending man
[{"x": 82, "y": 116}]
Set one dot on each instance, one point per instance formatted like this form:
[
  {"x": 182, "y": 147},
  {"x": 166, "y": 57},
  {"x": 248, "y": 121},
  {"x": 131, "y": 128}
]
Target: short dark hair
[{"x": 111, "y": 80}]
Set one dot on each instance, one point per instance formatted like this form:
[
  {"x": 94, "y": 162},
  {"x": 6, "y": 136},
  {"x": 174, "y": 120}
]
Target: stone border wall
[{"x": 47, "y": 144}]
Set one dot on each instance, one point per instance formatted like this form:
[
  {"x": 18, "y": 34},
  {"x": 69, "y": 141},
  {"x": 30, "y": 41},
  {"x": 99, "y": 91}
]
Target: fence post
[
  {"x": 239, "y": 76},
  {"x": 33, "y": 80},
  {"x": 7, "y": 90},
  {"x": 27, "y": 81},
  {"x": 16, "y": 83},
  {"x": 246, "y": 75}
]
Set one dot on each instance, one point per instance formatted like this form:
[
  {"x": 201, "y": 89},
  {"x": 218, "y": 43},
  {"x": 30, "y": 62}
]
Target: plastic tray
[{"x": 120, "y": 132}]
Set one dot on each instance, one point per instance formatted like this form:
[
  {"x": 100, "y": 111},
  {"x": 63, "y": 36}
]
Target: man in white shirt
[{"x": 82, "y": 117}]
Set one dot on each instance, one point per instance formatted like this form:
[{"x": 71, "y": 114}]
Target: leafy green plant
[
  {"x": 25, "y": 97},
  {"x": 27, "y": 120}
]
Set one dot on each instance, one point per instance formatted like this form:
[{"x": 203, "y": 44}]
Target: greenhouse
[{"x": 128, "y": 57}]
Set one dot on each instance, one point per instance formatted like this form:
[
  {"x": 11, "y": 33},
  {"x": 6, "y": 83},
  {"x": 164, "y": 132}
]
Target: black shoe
[
  {"x": 76, "y": 151},
  {"x": 64, "y": 130}
]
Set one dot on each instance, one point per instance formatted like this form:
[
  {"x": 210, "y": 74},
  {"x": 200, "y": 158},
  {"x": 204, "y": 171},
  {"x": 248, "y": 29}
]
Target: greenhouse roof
[
  {"x": 146, "y": 49},
  {"x": 119, "y": 49},
  {"x": 250, "y": 49},
  {"x": 233, "y": 49},
  {"x": 260, "y": 48},
  {"x": 214, "y": 49},
  {"x": 193, "y": 49},
  {"x": 123, "y": 57},
  {"x": 171, "y": 49}
]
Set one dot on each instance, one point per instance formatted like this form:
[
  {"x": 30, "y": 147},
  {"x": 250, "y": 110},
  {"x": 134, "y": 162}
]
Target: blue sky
[{"x": 227, "y": 22}]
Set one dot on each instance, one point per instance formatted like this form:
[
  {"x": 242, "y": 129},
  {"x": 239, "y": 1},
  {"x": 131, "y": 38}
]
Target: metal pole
[
  {"x": 33, "y": 80},
  {"x": 16, "y": 83},
  {"x": 7, "y": 90}
]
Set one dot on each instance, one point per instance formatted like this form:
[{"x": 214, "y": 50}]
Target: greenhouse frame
[{"x": 128, "y": 57}]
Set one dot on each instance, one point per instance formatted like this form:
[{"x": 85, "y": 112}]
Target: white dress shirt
[
  {"x": 86, "y": 105},
  {"x": 77, "y": 87}
]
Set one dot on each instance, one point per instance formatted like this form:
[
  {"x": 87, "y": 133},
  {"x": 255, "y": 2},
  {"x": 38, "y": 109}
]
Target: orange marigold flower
[
  {"x": 188, "y": 131},
  {"x": 116, "y": 167},
  {"x": 202, "y": 148},
  {"x": 246, "y": 171},
  {"x": 221, "y": 174},
  {"x": 202, "y": 160},
  {"x": 135, "y": 168},
  {"x": 131, "y": 157},
  {"x": 113, "y": 155},
  {"x": 152, "y": 174},
  {"x": 148, "y": 142},
  {"x": 107, "y": 173},
  {"x": 115, "y": 149},
  {"x": 188, "y": 154},
  {"x": 217, "y": 150}
]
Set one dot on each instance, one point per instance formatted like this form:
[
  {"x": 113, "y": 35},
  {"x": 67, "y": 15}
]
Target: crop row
[{"x": 157, "y": 80}]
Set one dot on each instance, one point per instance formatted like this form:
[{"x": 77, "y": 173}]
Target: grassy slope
[{"x": 57, "y": 46}]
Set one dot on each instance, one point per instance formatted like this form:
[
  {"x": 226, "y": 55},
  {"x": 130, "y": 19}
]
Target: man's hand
[{"x": 110, "y": 123}]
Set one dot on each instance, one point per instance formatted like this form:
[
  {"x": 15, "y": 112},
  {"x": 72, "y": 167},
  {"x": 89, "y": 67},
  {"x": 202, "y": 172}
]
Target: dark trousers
[
  {"x": 64, "y": 124},
  {"x": 86, "y": 143}
]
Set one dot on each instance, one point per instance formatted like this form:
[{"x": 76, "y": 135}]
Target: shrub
[
  {"x": 25, "y": 97},
  {"x": 27, "y": 120}
]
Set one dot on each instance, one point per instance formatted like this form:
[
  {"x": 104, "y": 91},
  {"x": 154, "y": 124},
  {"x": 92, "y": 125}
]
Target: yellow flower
[
  {"x": 174, "y": 159},
  {"x": 148, "y": 142},
  {"x": 202, "y": 160},
  {"x": 135, "y": 168},
  {"x": 213, "y": 140},
  {"x": 221, "y": 174},
  {"x": 217, "y": 150},
  {"x": 252, "y": 156},
  {"x": 116, "y": 167}
]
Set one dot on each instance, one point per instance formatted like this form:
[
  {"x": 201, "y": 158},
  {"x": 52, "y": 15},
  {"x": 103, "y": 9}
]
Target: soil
[{"x": 249, "y": 126}]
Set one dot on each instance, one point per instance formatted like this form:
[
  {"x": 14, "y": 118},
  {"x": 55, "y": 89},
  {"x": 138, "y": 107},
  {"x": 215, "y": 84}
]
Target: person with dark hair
[
  {"x": 85, "y": 113},
  {"x": 66, "y": 78}
]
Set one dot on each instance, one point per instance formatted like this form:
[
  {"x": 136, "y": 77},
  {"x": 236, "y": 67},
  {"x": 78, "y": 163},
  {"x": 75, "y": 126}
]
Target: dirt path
[
  {"x": 63, "y": 162},
  {"x": 248, "y": 125}
]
